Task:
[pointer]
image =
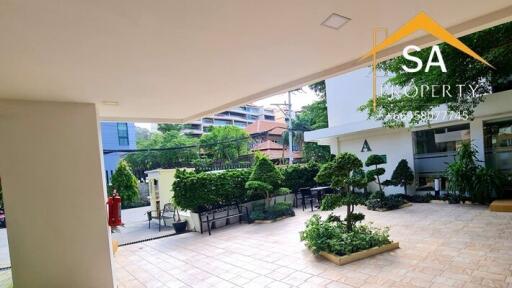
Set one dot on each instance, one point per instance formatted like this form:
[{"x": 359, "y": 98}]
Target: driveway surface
[{"x": 441, "y": 246}]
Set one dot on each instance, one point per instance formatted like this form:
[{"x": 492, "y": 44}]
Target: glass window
[
  {"x": 122, "y": 134},
  {"x": 498, "y": 135},
  {"x": 438, "y": 140}
]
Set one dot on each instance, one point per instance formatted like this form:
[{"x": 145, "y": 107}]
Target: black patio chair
[{"x": 306, "y": 196}]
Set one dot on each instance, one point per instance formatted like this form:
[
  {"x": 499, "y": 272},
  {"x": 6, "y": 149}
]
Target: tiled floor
[{"x": 441, "y": 246}]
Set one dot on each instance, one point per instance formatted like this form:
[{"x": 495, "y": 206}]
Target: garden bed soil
[
  {"x": 402, "y": 206},
  {"x": 342, "y": 260},
  {"x": 270, "y": 221}
]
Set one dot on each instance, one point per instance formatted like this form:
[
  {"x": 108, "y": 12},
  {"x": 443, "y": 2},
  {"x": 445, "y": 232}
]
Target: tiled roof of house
[
  {"x": 274, "y": 150},
  {"x": 273, "y": 128}
]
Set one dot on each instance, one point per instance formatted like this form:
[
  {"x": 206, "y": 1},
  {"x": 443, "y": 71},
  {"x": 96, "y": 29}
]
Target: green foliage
[
  {"x": 375, "y": 160},
  {"x": 278, "y": 210},
  {"x": 379, "y": 200},
  {"x": 198, "y": 192},
  {"x": 317, "y": 153},
  {"x": 402, "y": 175},
  {"x": 418, "y": 198},
  {"x": 489, "y": 184},
  {"x": 125, "y": 183},
  {"x": 339, "y": 173},
  {"x": 283, "y": 191},
  {"x": 264, "y": 171},
  {"x": 265, "y": 178},
  {"x": 334, "y": 237},
  {"x": 164, "y": 128},
  {"x": 462, "y": 172},
  {"x": 493, "y": 44},
  {"x": 157, "y": 159},
  {"x": 298, "y": 176},
  {"x": 225, "y": 143}
]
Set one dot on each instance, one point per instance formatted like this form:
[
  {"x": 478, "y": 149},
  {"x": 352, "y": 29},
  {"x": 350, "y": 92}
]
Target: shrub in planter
[
  {"x": 378, "y": 200},
  {"x": 278, "y": 210},
  {"x": 265, "y": 179},
  {"x": 198, "y": 192},
  {"x": 426, "y": 198},
  {"x": 332, "y": 236}
]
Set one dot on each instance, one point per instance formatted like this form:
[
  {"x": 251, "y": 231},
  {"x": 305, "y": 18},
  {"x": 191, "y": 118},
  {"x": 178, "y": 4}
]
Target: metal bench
[{"x": 212, "y": 216}]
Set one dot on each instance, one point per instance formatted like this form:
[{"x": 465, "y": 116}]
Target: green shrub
[
  {"x": 298, "y": 176},
  {"x": 402, "y": 175},
  {"x": 333, "y": 236},
  {"x": 417, "y": 198},
  {"x": 375, "y": 160},
  {"x": 265, "y": 179},
  {"x": 125, "y": 183},
  {"x": 198, "y": 192},
  {"x": 278, "y": 210},
  {"x": 378, "y": 200}
]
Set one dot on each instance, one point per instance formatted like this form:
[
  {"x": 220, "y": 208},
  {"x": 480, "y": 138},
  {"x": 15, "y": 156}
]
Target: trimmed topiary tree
[
  {"x": 375, "y": 160},
  {"x": 340, "y": 174},
  {"x": 402, "y": 175},
  {"x": 125, "y": 183},
  {"x": 265, "y": 178}
]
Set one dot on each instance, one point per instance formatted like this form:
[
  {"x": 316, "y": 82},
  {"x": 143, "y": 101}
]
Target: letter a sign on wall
[{"x": 366, "y": 147}]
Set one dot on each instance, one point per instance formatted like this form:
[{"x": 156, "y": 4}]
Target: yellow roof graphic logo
[
  {"x": 420, "y": 22},
  {"x": 423, "y": 22}
]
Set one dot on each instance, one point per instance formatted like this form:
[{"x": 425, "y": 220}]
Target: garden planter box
[
  {"x": 270, "y": 221},
  {"x": 342, "y": 260},
  {"x": 402, "y": 206}
]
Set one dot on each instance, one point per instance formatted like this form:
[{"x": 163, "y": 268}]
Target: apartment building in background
[
  {"x": 116, "y": 136},
  {"x": 241, "y": 116}
]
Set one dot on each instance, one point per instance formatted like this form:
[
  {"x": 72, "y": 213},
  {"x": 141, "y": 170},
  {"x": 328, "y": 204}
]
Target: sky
[{"x": 299, "y": 100}]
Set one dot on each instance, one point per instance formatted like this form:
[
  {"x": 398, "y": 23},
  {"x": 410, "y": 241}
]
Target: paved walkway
[
  {"x": 441, "y": 246},
  {"x": 136, "y": 226}
]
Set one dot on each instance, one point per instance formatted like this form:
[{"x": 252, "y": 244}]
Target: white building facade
[{"x": 428, "y": 150}]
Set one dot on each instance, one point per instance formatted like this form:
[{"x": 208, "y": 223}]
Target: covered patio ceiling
[{"x": 174, "y": 61}]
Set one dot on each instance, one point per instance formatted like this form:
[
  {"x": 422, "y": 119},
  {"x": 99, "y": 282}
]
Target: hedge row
[
  {"x": 202, "y": 191},
  {"x": 199, "y": 192}
]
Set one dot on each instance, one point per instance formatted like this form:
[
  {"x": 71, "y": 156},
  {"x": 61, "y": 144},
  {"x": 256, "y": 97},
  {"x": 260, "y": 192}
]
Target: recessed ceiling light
[
  {"x": 111, "y": 103},
  {"x": 335, "y": 21}
]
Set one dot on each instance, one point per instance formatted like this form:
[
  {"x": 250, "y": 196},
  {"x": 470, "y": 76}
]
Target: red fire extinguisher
[{"x": 114, "y": 210}]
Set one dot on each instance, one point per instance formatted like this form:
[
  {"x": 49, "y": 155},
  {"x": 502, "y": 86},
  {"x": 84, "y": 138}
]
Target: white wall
[
  {"x": 395, "y": 144},
  {"x": 346, "y": 93},
  {"x": 54, "y": 197}
]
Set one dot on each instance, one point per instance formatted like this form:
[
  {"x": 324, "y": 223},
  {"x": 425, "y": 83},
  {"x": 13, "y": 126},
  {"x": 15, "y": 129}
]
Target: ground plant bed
[
  {"x": 271, "y": 220},
  {"x": 345, "y": 259},
  {"x": 268, "y": 214},
  {"x": 401, "y": 206}
]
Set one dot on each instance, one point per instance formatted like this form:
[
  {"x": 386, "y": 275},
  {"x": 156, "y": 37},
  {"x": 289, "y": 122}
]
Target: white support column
[
  {"x": 476, "y": 129},
  {"x": 52, "y": 178}
]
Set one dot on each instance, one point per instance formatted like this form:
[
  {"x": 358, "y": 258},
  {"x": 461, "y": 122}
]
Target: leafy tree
[
  {"x": 375, "y": 160},
  {"x": 493, "y": 44},
  {"x": 312, "y": 117},
  {"x": 225, "y": 143},
  {"x": 125, "y": 183},
  {"x": 339, "y": 173},
  {"x": 462, "y": 171},
  {"x": 316, "y": 153},
  {"x": 142, "y": 133},
  {"x": 164, "y": 158},
  {"x": 402, "y": 175},
  {"x": 298, "y": 176},
  {"x": 164, "y": 128},
  {"x": 265, "y": 178}
]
